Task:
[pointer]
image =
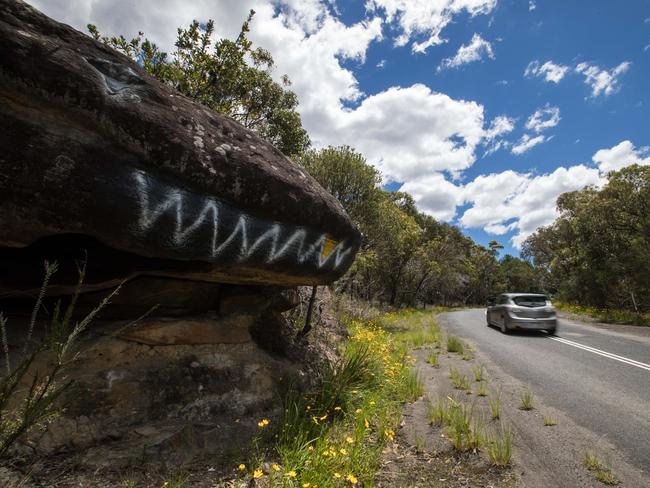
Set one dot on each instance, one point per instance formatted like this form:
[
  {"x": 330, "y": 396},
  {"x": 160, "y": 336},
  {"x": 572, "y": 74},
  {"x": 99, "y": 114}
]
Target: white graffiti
[{"x": 275, "y": 242}]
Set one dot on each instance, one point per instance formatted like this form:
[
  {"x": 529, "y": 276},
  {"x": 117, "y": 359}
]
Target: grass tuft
[
  {"x": 526, "y": 398},
  {"x": 433, "y": 360},
  {"x": 549, "y": 421},
  {"x": 482, "y": 389},
  {"x": 479, "y": 373},
  {"x": 460, "y": 382},
  {"x": 499, "y": 447},
  {"x": 454, "y": 344},
  {"x": 495, "y": 406},
  {"x": 601, "y": 472}
]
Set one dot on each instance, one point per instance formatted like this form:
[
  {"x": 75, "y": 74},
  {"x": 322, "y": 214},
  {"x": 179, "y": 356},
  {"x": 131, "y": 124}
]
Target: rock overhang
[{"x": 93, "y": 145}]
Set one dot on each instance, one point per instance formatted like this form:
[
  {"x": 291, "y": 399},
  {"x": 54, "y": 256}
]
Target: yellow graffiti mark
[{"x": 328, "y": 247}]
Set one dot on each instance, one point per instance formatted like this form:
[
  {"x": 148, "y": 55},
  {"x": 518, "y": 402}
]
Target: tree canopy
[{"x": 230, "y": 77}]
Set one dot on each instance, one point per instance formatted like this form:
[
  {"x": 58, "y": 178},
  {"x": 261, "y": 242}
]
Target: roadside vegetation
[
  {"x": 615, "y": 316},
  {"x": 600, "y": 470},
  {"x": 335, "y": 435}
]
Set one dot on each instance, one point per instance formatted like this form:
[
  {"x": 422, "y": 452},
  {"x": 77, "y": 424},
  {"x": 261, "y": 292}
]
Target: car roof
[{"x": 511, "y": 295}]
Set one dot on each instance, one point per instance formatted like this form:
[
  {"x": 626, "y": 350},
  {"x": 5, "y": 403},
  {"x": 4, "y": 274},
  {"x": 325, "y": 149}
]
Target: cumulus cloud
[
  {"x": 601, "y": 81},
  {"x": 411, "y": 132},
  {"x": 549, "y": 71},
  {"x": 621, "y": 155},
  {"x": 469, "y": 53},
  {"x": 526, "y": 143},
  {"x": 425, "y": 19},
  {"x": 435, "y": 196},
  {"x": 521, "y": 202},
  {"x": 531, "y": 5},
  {"x": 543, "y": 118}
]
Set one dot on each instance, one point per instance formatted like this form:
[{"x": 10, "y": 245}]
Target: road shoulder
[{"x": 544, "y": 456}]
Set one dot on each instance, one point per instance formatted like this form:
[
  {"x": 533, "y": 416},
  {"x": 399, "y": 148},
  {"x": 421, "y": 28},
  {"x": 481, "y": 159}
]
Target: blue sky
[{"x": 484, "y": 110}]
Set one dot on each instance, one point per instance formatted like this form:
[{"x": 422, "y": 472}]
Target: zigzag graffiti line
[{"x": 323, "y": 248}]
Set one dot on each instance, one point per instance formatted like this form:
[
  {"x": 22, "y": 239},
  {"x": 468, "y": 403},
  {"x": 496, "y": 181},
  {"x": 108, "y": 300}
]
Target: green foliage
[
  {"x": 495, "y": 406},
  {"x": 616, "y": 316},
  {"x": 335, "y": 434},
  {"x": 454, "y": 344},
  {"x": 526, "y": 398},
  {"x": 29, "y": 396},
  {"x": 499, "y": 447},
  {"x": 601, "y": 472},
  {"x": 597, "y": 252},
  {"x": 230, "y": 77}
]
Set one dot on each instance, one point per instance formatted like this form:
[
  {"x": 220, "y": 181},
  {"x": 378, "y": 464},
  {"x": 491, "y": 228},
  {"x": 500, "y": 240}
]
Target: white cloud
[
  {"x": 411, "y": 132},
  {"x": 468, "y": 53},
  {"x": 510, "y": 201},
  {"x": 425, "y": 19},
  {"x": 531, "y": 5},
  {"x": 543, "y": 118},
  {"x": 526, "y": 143},
  {"x": 435, "y": 196},
  {"x": 602, "y": 81},
  {"x": 549, "y": 71},
  {"x": 621, "y": 155},
  {"x": 381, "y": 64},
  {"x": 500, "y": 125}
]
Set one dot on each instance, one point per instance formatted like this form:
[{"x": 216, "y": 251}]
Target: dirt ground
[{"x": 543, "y": 456}]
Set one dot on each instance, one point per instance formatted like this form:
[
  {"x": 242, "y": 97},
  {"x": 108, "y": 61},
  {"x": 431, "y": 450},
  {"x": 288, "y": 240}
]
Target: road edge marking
[{"x": 600, "y": 352}]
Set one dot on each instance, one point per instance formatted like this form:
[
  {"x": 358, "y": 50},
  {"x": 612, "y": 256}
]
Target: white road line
[{"x": 606, "y": 354}]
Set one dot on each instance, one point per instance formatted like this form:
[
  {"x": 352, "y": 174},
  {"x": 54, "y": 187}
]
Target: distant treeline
[{"x": 597, "y": 253}]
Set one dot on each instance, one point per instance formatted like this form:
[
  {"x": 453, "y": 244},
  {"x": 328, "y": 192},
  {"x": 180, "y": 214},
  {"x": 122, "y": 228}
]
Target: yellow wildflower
[
  {"x": 263, "y": 423},
  {"x": 323, "y": 417},
  {"x": 337, "y": 475},
  {"x": 337, "y": 408},
  {"x": 275, "y": 467},
  {"x": 352, "y": 479},
  {"x": 242, "y": 467},
  {"x": 358, "y": 411},
  {"x": 291, "y": 474},
  {"x": 306, "y": 485},
  {"x": 258, "y": 473},
  {"x": 349, "y": 440},
  {"x": 343, "y": 451},
  {"x": 365, "y": 421}
]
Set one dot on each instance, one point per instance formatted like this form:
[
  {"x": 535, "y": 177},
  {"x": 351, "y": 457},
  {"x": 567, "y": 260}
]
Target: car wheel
[
  {"x": 504, "y": 327},
  {"x": 552, "y": 331}
]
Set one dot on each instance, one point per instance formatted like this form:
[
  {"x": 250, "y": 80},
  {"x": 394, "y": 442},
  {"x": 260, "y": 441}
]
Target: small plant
[
  {"x": 606, "y": 477},
  {"x": 495, "y": 406},
  {"x": 455, "y": 345},
  {"x": 482, "y": 389},
  {"x": 419, "y": 444},
  {"x": 601, "y": 472},
  {"x": 479, "y": 373},
  {"x": 25, "y": 409},
  {"x": 549, "y": 421},
  {"x": 526, "y": 398},
  {"x": 438, "y": 412},
  {"x": 467, "y": 357},
  {"x": 459, "y": 381},
  {"x": 432, "y": 359},
  {"x": 499, "y": 447}
]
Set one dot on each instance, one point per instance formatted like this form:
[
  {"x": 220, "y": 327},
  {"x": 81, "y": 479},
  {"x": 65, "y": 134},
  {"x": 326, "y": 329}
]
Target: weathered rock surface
[{"x": 91, "y": 145}]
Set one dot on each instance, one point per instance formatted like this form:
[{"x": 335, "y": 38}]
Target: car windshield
[{"x": 530, "y": 301}]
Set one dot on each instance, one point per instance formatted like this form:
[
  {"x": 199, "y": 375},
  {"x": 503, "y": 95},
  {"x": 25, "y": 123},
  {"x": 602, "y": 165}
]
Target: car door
[{"x": 498, "y": 315}]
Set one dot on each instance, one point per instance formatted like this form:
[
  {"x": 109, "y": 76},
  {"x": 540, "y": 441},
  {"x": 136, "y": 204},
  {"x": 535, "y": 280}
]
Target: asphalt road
[{"x": 599, "y": 377}]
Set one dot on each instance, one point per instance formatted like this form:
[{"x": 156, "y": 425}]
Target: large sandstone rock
[{"x": 91, "y": 145}]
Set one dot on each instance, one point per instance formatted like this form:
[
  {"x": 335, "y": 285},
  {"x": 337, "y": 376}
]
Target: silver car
[{"x": 526, "y": 311}]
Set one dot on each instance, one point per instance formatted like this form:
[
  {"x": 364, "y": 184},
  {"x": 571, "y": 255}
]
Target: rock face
[{"x": 94, "y": 146}]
